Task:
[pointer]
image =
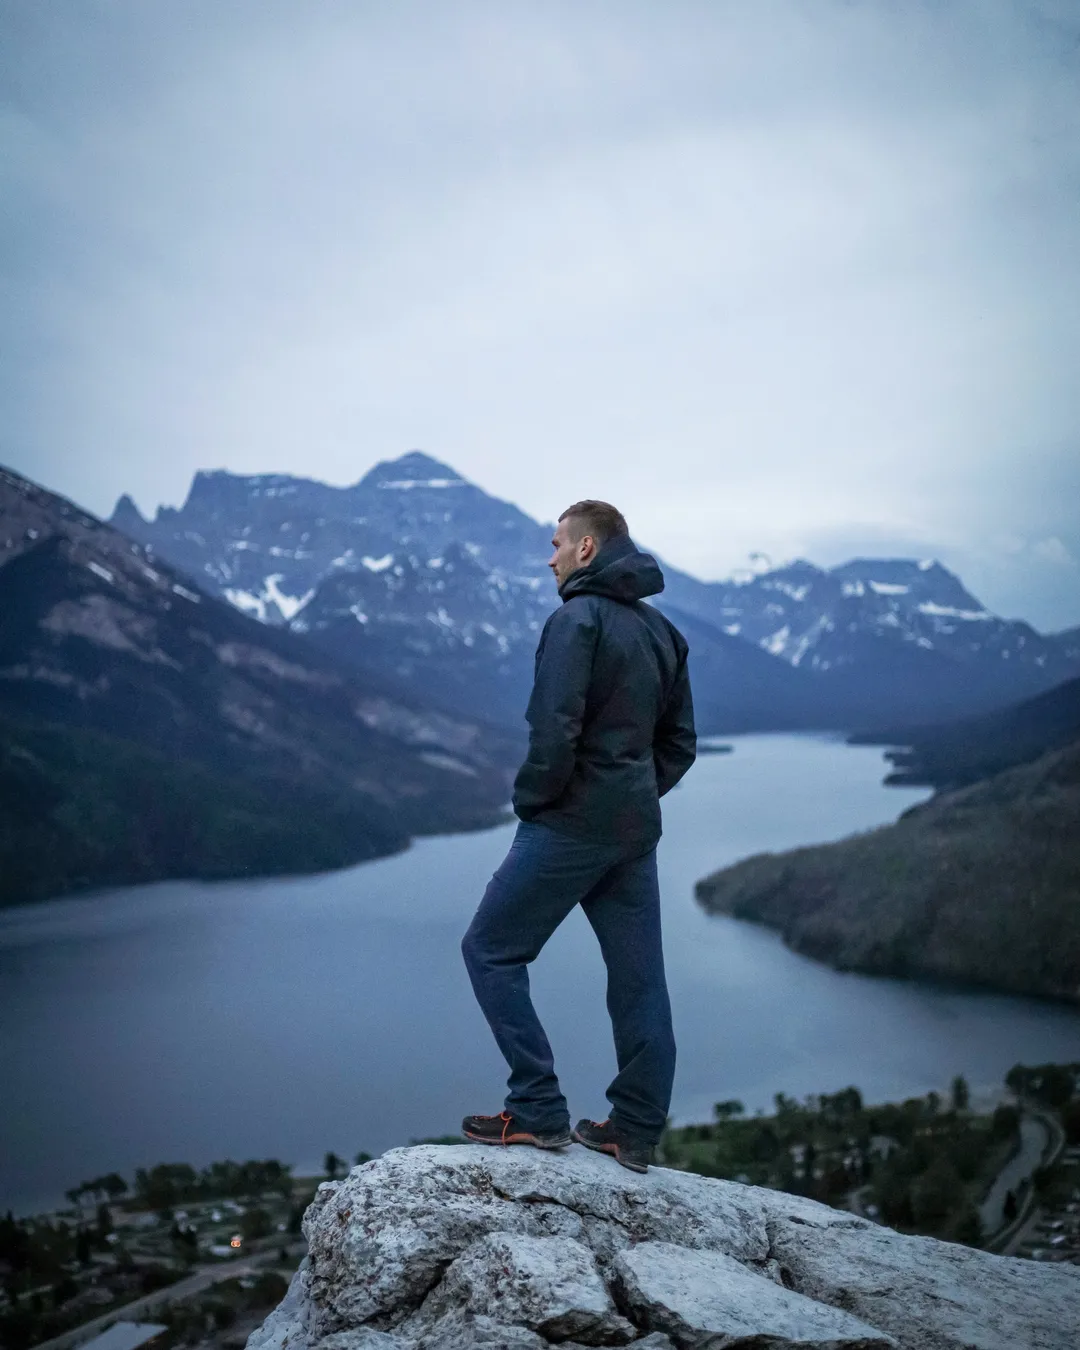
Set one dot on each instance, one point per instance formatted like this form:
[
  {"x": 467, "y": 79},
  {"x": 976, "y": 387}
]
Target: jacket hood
[{"x": 619, "y": 570}]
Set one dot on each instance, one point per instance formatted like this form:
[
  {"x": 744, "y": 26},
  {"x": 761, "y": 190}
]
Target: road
[
  {"x": 1040, "y": 1136},
  {"x": 141, "y": 1307},
  {"x": 1026, "y": 1231},
  {"x": 1034, "y": 1142}
]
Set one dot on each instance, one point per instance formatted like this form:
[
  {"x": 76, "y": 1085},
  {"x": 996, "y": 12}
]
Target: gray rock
[
  {"x": 363, "y": 1338},
  {"x": 472, "y": 1331},
  {"x": 286, "y": 1328},
  {"x": 931, "y": 1295},
  {"x": 382, "y": 1244},
  {"x": 380, "y": 1240},
  {"x": 708, "y": 1297},
  {"x": 550, "y": 1285}
]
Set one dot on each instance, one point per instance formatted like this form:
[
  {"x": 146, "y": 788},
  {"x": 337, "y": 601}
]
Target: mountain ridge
[{"x": 364, "y": 571}]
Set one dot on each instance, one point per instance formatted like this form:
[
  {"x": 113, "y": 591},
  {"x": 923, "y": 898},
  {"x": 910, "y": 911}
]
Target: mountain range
[
  {"x": 151, "y": 729},
  {"x": 420, "y": 575},
  {"x": 285, "y": 676}
]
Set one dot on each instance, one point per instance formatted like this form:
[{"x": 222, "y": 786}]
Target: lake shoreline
[
  {"x": 930, "y": 984},
  {"x": 284, "y": 1017},
  {"x": 974, "y": 887}
]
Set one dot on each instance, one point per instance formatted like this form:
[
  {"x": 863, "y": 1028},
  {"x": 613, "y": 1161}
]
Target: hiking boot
[
  {"x": 603, "y": 1136},
  {"x": 504, "y": 1129}
]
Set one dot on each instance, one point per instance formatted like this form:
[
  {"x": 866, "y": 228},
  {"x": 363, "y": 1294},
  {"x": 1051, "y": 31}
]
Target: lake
[{"x": 187, "y": 1022}]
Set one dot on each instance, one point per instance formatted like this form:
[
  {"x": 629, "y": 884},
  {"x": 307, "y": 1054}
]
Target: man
[{"x": 611, "y": 729}]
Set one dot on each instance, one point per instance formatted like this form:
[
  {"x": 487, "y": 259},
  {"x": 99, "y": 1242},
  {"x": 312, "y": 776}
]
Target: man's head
[{"x": 583, "y": 529}]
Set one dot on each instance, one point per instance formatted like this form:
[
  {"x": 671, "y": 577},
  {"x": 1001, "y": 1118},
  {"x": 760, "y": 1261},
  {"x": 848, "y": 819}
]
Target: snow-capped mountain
[
  {"x": 808, "y": 615},
  {"x": 97, "y": 636},
  {"x": 421, "y": 575},
  {"x": 267, "y": 541},
  {"x": 412, "y": 571}
]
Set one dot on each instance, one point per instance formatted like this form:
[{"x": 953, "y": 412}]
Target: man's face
[{"x": 570, "y": 552}]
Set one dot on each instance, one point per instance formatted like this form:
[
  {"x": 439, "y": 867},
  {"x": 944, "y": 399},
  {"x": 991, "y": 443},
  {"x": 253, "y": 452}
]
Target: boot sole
[
  {"x": 613, "y": 1151},
  {"x": 520, "y": 1138}
]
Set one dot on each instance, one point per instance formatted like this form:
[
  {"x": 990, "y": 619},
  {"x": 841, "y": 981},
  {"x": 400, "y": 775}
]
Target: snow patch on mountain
[
  {"x": 250, "y": 604},
  {"x": 947, "y": 611},
  {"x": 404, "y": 484},
  {"x": 796, "y": 592},
  {"x": 287, "y": 604},
  {"x": 777, "y": 642}
]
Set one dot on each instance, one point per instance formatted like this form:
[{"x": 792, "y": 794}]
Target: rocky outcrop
[{"x": 448, "y": 1248}]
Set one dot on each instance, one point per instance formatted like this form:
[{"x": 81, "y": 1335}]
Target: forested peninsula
[{"x": 979, "y": 886}]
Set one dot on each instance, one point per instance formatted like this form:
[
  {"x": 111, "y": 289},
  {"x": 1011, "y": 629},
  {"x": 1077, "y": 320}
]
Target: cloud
[
  {"x": 1054, "y": 551},
  {"x": 776, "y": 277}
]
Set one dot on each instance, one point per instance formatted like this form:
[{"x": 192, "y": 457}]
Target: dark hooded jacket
[{"x": 611, "y": 720}]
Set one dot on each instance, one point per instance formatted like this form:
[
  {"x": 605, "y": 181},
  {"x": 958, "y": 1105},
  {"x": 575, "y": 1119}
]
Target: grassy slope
[{"x": 980, "y": 885}]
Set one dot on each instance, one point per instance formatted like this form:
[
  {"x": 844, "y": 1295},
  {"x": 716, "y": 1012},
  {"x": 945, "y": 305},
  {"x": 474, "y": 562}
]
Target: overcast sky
[{"x": 798, "y": 277}]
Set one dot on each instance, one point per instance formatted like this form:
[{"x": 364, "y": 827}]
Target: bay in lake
[{"x": 184, "y": 1022}]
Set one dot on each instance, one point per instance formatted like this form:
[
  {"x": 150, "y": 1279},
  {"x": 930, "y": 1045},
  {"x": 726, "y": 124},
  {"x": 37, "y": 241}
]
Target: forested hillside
[{"x": 979, "y": 885}]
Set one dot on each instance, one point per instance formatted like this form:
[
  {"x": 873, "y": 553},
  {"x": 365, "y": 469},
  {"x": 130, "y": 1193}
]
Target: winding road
[{"x": 1034, "y": 1142}]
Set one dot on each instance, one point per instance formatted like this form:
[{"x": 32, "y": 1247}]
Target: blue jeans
[{"x": 539, "y": 882}]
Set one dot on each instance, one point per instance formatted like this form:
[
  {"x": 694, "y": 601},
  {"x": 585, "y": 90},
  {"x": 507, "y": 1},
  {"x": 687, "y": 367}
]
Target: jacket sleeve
[
  {"x": 564, "y": 661},
  {"x": 675, "y": 740}
]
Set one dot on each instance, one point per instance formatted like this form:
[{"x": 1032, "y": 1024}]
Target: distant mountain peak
[
  {"x": 760, "y": 565},
  {"x": 927, "y": 580},
  {"x": 222, "y": 489},
  {"x": 873, "y": 567},
  {"x": 127, "y": 514},
  {"x": 414, "y": 469},
  {"x": 797, "y": 567}
]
